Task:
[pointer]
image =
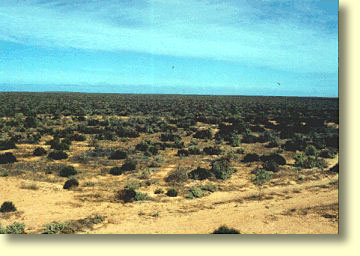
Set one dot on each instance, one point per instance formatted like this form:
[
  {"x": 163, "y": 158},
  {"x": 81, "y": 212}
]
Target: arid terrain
[{"x": 153, "y": 164}]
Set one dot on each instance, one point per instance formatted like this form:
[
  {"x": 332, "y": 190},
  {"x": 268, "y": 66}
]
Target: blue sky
[{"x": 170, "y": 46}]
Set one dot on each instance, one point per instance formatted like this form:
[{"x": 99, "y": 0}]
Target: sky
[{"x": 222, "y": 47}]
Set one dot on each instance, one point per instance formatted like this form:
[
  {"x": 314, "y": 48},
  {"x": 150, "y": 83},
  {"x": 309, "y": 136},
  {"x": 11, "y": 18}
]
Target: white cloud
[{"x": 220, "y": 30}]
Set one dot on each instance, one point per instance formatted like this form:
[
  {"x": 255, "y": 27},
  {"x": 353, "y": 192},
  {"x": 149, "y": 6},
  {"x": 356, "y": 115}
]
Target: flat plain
[{"x": 168, "y": 164}]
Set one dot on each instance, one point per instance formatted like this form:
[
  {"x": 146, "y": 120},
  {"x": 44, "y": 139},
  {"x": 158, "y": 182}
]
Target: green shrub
[
  {"x": 209, "y": 187},
  {"x": 15, "y": 228},
  {"x": 261, "y": 177},
  {"x": 8, "y": 206},
  {"x": 57, "y": 228},
  {"x": 221, "y": 169},
  {"x": 309, "y": 162},
  {"x": 226, "y": 230},
  {"x": 310, "y": 150},
  {"x": 195, "y": 192},
  {"x": 67, "y": 171}
]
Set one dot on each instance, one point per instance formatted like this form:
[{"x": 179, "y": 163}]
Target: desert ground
[{"x": 294, "y": 200}]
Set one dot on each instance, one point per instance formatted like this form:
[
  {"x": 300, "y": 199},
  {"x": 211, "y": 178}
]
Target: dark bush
[
  {"x": 279, "y": 159},
  {"x": 251, "y": 157},
  {"x": 116, "y": 171},
  {"x": 172, "y": 192},
  {"x": 67, "y": 171},
  {"x": 226, "y": 230},
  {"x": 271, "y": 166},
  {"x": 130, "y": 194},
  {"x": 7, "y": 158},
  {"x": 8, "y": 206},
  {"x": 335, "y": 168},
  {"x": 60, "y": 146},
  {"x": 212, "y": 150},
  {"x": 71, "y": 183},
  {"x": 200, "y": 174},
  {"x": 310, "y": 150},
  {"x": 158, "y": 191},
  {"x": 183, "y": 152},
  {"x": 194, "y": 151},
  {"x": 39, "y": 152},
  {"x": 57, "y": 155},
  {"x": 118, "y": 154},
  {"x": 203, "y": 134},
  {"x": 78, "y": 137},
  {"x": 327, "y": 153},
  {"x": 177, "y": 176},
  {"x": 169, "y": 137},
  {"x": 129, "y": 165},
  {"x": 8, "y": 144}
]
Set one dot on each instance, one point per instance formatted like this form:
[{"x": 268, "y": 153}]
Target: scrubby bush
[
  {"x": 118, "y": 154},
  {"x": 57, "y": 155},
  {"x": 309, "y": 162},
  {"x": 8, "y": 206},
  {"x": 251, "y": 157},
  {"x": 221, "y": 169},
  {"x": 200, "y": 174},
  {"x": 67, "y": 171},
  {"x": 15, "y": 228},
  {"x": 57, "y": 228},
  {"x": 172, "y": 192},
  {"x": 177, "y": 176},
  {"x": 71, "y": 183},
  {"x": 7, "y": 158},
  {"x": 310, "y": 150},
  {"x": 195, "y": 192},
  {"x": 209, "y": 187},
  {"x": 39, "y": 152},
  {"x": 226, "y": 230}
]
